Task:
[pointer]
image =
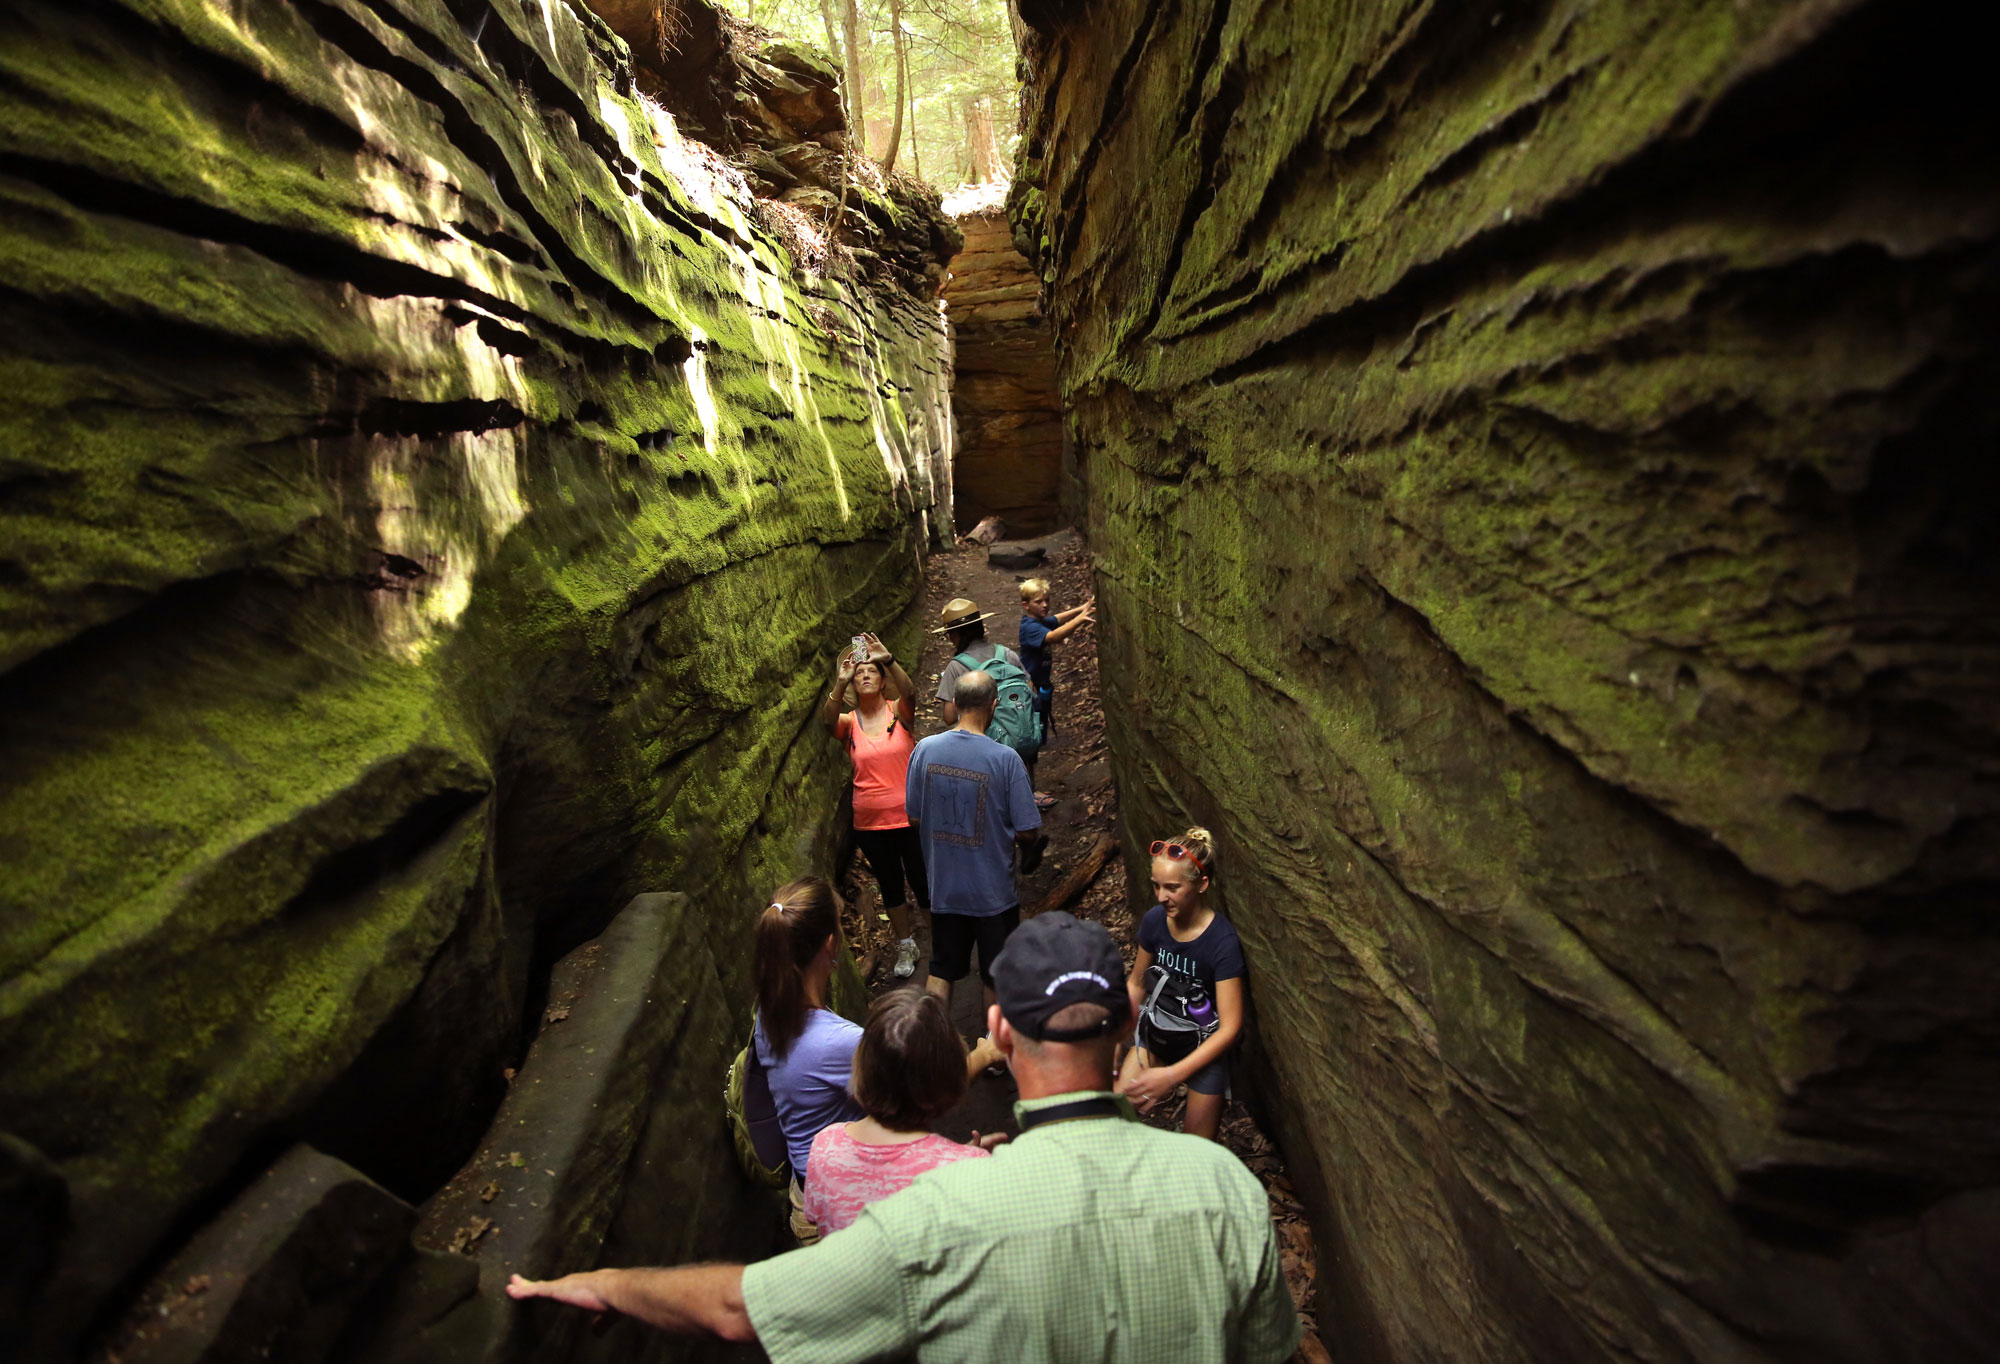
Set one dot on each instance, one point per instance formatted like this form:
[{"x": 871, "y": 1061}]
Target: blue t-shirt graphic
[{"x": 968, "y": 797}]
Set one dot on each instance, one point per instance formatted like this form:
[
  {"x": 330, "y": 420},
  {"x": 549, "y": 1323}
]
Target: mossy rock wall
[
  {"x": 430, "y": 504},
  {"x": 1540, "y": 467}
]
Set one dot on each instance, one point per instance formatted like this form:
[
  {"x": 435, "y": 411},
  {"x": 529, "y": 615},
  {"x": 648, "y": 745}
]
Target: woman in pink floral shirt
[{"x": 909, "y": 1070}]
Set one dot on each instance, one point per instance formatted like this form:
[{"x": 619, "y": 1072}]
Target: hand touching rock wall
[
  {"x": 429, "y": 501},
  {"x": 1539, "y": 459}
]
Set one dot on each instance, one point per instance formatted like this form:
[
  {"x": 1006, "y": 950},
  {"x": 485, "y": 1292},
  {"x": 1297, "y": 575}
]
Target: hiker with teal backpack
[{"x": 1014, "y": 721}]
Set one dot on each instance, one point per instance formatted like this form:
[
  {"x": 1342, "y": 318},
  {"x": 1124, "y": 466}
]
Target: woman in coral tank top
[{"x": 879, "y": 733}]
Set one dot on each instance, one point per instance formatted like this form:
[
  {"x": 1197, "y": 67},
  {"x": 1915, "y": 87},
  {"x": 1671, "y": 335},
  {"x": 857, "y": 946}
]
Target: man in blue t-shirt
[{"x": 970, "y": 800}]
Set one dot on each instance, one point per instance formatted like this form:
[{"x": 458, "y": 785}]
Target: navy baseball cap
[{"x": 1055, "y": 960}]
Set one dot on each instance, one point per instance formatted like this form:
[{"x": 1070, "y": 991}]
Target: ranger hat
[
  {"x": 1051, "y": 962},
  {"x": 960, "y": 611}
]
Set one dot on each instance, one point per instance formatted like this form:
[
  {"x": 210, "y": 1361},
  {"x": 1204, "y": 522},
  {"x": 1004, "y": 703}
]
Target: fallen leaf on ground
[
  {"x": 467, "y": 1236},
  {"x": 1298, "y": 1236},
  {"x": 1296, "y": 1277}
]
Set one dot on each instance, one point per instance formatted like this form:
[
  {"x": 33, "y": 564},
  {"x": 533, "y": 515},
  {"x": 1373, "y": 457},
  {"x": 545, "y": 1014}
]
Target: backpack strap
[
  {"x": 1166, "y": 1022},
  {"x": 758, "y": 1122},
  {"x": 854, "y": 724}
]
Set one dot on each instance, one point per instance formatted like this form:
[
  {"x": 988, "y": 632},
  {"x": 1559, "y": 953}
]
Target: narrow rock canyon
[{"x": 1538, "y": 460}]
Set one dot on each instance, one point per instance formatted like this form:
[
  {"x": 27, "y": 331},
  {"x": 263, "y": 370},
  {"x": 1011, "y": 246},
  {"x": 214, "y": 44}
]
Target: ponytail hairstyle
[
  {"x": 1201, "y": 843},
  {"x": 790, "y": 933}
]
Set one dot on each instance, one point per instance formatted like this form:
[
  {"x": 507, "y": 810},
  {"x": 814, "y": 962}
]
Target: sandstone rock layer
[
  {"x": 429, "y": 499},
  {"x": 1009, "y": 418},
  {"x": 1537, "y": 457}
]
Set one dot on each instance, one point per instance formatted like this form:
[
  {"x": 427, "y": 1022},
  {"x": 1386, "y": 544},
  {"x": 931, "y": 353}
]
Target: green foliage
[{"x": 959, "y": 51}]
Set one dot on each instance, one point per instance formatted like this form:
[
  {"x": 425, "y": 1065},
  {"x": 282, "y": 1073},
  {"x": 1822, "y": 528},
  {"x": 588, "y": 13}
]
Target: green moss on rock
[
  {"x": 1527, "y": 452},
  {"x": 431, "y": 502}
]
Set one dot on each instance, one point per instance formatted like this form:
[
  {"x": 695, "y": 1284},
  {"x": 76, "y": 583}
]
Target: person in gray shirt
[{"x": 963, "y": 624}]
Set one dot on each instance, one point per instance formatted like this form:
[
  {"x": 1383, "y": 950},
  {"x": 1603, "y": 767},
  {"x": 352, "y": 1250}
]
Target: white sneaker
[{"x": 906, "y": 958}]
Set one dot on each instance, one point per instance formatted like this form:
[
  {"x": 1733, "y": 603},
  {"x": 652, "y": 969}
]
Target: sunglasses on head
[{"x": 1179, "y": 853}]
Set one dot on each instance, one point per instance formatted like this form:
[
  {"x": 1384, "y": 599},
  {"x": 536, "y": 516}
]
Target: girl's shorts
[{"x": 1167, "y": 1048}]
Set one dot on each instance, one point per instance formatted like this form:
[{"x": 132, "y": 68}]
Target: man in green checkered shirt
[{"x": 1089, "y": 1237}]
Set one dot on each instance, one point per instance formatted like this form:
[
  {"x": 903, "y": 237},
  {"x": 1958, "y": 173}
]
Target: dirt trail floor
[{"x": 1074, "y": 768}]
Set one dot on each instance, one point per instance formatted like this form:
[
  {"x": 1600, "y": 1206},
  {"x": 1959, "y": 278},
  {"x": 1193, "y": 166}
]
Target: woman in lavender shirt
[{"x": 807, "y": 1050}]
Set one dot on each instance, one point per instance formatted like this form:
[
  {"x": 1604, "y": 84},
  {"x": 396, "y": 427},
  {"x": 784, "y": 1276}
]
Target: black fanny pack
[{"x": 1170, "y": 1027}]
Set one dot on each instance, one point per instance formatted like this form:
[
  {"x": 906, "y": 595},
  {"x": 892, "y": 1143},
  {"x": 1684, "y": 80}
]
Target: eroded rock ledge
[
  {"x": 430, "y": 494},
  {"x": 1010, "y": 436},
  {"x": 773, "y": 107},
  {"x": 1536, "y": 458}
]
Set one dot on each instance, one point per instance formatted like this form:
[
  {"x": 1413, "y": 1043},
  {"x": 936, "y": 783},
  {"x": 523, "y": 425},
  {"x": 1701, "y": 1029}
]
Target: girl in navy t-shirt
[{"x": 1187, "y": 989}]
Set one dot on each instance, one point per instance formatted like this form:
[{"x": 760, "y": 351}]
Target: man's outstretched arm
[{"x": 689, "y": 1300}]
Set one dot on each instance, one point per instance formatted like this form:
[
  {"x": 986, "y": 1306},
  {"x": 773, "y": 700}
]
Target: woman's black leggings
[{"x": 893, "y": 854}]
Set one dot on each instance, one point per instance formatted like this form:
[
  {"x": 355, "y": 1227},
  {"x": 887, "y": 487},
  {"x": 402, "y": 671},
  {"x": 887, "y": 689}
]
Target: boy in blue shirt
[{"x": 1039, "y": 630}]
